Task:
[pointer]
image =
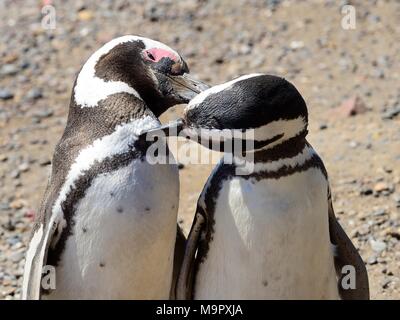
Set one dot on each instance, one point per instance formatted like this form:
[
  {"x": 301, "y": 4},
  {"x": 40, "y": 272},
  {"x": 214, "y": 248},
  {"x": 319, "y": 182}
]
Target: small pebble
[
  {"x": 377, "y": 245},
  {"x": 17, "y": 204},
  {"x": 396, "y": 198},
  {"x": 391, "y": 113},
  {"x": 323, "y": 126},
  {"x": 8, "y": 70},
  {"x": 6, "y": 94},
  {"x": 366, "y": 191},
  {"x": 45, "y": 113},
  {"x": 23, "y": 167},
  {"x": 386, "y": 282},
  {"x": 372, "y": 260},
  {"x": 44, "y": 162},
  {"x": 379, "y": 212},
  {"x": 15, "y": 174},
  {"x": 381, "y": 186},
  {"x": 34, "y": 94}
]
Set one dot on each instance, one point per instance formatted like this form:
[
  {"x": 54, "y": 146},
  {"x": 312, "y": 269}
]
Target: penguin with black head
[{"x": 268, "y": 230}]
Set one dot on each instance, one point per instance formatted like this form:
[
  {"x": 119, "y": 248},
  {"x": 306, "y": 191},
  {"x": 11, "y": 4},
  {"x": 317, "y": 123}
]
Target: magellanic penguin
[
  {"x": 267, "y": 231},
  {"x": 107, "y": 223}
]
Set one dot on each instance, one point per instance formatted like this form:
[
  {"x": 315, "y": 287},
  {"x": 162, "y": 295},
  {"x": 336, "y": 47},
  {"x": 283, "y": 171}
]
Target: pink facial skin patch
[{"x": 156, "y": 54}]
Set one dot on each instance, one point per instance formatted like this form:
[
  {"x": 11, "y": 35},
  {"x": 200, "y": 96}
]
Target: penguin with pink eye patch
[{"x": 107, "y": 226}]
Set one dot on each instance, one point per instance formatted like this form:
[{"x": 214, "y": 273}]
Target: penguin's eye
[
  {"x": 156, "y": 54},
  {"x": 150, "y": 56}
]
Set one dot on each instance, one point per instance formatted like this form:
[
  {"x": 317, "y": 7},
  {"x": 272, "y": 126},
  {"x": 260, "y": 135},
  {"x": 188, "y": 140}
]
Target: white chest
[
  {"x": 271, "y": 241},
  {"x": 123, "y": 238}
]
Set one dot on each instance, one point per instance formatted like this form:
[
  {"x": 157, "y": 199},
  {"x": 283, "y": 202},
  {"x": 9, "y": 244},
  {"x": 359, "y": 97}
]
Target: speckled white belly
[
  {"x": 123, "y": 238},
  {"x": 271, "y": 241}
]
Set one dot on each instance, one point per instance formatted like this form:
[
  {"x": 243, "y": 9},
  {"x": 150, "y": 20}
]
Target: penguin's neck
[
  {"x": 286, "y": 158},
  {"x": 116, "y": 109},
  {"x": 287, "y": 149},
  {"x": 112, "y": 125}
]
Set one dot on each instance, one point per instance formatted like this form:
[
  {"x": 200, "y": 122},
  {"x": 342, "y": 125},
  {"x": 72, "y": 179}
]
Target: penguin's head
[
  {"x": 264, "y": 110},
  {"x": 151, "y": 70}
]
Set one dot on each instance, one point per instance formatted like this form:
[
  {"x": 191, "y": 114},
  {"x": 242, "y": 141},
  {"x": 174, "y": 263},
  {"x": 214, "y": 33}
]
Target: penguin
[
  {"x": 106, "y": 228},
  {"x": 264, "y": 226}
]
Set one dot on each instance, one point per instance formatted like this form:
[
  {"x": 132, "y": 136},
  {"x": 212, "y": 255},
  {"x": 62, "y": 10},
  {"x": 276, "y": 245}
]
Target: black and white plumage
[
  {"x": 270, "y": 232},
  {"x": 107, "y": 222}
]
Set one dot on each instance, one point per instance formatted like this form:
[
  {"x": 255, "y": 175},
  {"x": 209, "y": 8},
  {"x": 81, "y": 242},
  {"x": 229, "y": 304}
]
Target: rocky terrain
[{"x": 350, "y": 80}]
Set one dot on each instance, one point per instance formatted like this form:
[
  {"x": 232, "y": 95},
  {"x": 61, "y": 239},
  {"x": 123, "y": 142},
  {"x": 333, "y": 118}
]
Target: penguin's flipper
[
  {"x": 347, "y": 255},
  {"x": 179, "y": 254},
  {"x": 45, "y": 234},
  {"x": 184, "y": 287},
  {"x": 36, "y": 256}
]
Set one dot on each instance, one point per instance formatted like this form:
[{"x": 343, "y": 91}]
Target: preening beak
[
  {"x": 171, "y": 129},
  {"x": 186, "y": 87}
]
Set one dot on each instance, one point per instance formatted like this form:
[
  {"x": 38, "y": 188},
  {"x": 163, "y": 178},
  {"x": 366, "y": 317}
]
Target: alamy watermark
[
  {"x": 349, "y": 18},
  {"x": 49, "y": 17},
  {"x": 48, "y": 278},
  {"x": 237, "y": 147},
  {"x": 348, "y": 280}
]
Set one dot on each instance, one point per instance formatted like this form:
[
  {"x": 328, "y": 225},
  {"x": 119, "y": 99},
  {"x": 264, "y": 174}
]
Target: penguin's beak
[
  {"x": 171, "y": 129},
  {"x": 186, "y": 87}
]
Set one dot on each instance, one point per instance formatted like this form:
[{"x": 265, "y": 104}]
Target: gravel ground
[{"x": 349, "y": 78}]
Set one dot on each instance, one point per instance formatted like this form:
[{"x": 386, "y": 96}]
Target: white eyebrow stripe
[
  {"x": 218, "y": 88},
  {"x": 266, "y": 132}
]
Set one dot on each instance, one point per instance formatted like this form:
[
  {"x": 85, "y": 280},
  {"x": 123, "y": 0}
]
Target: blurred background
[{"x": 343, "y": 56}]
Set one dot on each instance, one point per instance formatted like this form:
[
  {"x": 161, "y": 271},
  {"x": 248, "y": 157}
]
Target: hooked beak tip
[{"x": 187, "y": 87}]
